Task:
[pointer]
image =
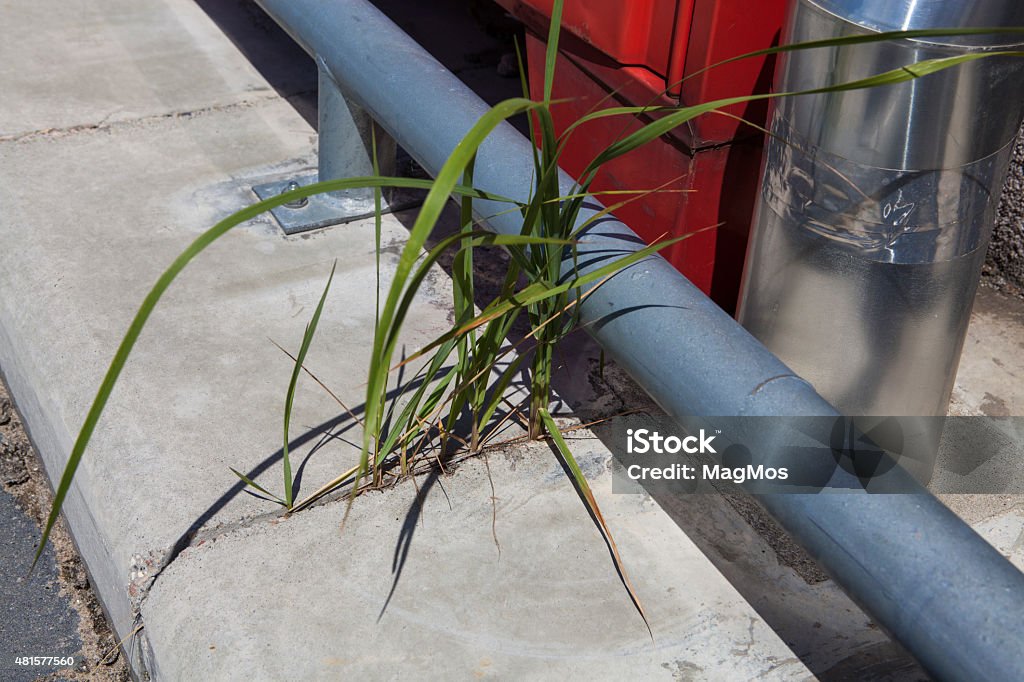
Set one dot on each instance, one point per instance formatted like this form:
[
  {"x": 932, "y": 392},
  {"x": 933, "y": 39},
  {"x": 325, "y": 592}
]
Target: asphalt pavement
[{"x": 36, "y": 620}]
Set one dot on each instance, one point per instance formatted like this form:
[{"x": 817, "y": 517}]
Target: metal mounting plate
[{"x": 322, "y": 210}]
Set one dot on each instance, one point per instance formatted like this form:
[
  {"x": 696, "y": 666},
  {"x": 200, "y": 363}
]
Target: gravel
[{"x": 1004, "y": 264}]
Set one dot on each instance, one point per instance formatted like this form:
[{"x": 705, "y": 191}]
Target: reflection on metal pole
[{"x": 877, "y": 205}]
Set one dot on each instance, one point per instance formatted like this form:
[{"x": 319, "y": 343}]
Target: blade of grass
[
  {"x": 650, "y": 107},
  {"x": 470, "y": 240},
  {"x": 539, "y": 291},
  {"x": 463, "y": 290},
  {"x": 322, "y": 385},
  {"x": 498, "y": 391},
  {"x": 861, "y": 39},
  {"x": 249, "y": 482},
  {"x": 289, "y": 401},
  {"x": 588, "y": 497},
  {"x": 663, "y": 125},
  {"x": 377, "y": 223},
  {"x": 550, "y": 58},
  {"x": 326, "y": 489}
]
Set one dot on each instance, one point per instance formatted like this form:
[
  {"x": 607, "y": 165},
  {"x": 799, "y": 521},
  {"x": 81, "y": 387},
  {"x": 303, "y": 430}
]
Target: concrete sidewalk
[{"x": 130, "y": 126}]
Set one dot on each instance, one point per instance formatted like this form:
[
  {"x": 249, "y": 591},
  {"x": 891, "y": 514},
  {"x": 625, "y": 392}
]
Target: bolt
[{"x": 295, "y": 203}]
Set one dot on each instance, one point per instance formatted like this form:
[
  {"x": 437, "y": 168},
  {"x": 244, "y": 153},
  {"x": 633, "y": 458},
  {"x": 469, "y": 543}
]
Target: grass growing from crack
[
  {"x": 540, "y": 282},
  {"x": 289, "y": 402}
]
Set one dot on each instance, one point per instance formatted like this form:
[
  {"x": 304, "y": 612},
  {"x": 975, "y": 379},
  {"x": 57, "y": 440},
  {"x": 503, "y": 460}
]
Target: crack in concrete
[
  {"x": 104, "y": 124},
  {"x": 148, "y": 566}
]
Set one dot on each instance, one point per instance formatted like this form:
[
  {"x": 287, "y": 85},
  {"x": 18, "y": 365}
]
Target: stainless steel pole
[{"x": 877, "y": 205}]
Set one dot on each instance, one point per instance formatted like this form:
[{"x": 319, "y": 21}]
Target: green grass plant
[{"x": 467, "y": 371}]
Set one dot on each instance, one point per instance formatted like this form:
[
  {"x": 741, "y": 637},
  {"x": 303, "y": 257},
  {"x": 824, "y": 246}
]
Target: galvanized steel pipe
[{"x": 922, "y": 573}]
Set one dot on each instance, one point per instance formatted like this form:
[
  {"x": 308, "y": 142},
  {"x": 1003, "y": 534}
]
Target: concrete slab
[
  {"x": 1006, "y": 533},
  {"x": 990, "y": 380},
  {"x": 827, "y": 631},
  {"x": 133, "y": 127},
  {"x": 413, "y": 589},
  {"x": 67, "y": 66}
]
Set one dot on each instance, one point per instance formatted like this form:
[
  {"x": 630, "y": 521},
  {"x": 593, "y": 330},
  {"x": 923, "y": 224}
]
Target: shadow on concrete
[
  {"x": 331, "y": 429},
  {"x": 404, "y": 543},
  {"x": 474, "y": 57},
  {"x": 278, "y": 58}
]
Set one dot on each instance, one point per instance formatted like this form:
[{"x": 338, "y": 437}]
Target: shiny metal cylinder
[{"x": 877, "y": 205}]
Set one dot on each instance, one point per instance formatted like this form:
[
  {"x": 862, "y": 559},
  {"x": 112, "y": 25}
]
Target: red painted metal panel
[
  {"x": 637, "y": 32},
  {"x": 722, "y": 29},
  {"x": 631, "y": 53}
]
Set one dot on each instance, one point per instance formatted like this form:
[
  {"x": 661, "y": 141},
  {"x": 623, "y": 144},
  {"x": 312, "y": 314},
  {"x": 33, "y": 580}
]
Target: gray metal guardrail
[{"x": 951, "y": 599}]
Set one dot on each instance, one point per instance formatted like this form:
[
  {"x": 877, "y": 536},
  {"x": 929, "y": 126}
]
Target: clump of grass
[{"x": 535, "y": 285}]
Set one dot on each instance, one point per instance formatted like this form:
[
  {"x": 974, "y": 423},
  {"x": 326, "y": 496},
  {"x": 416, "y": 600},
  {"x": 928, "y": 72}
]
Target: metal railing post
[{"x": 347, "y": 140}]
